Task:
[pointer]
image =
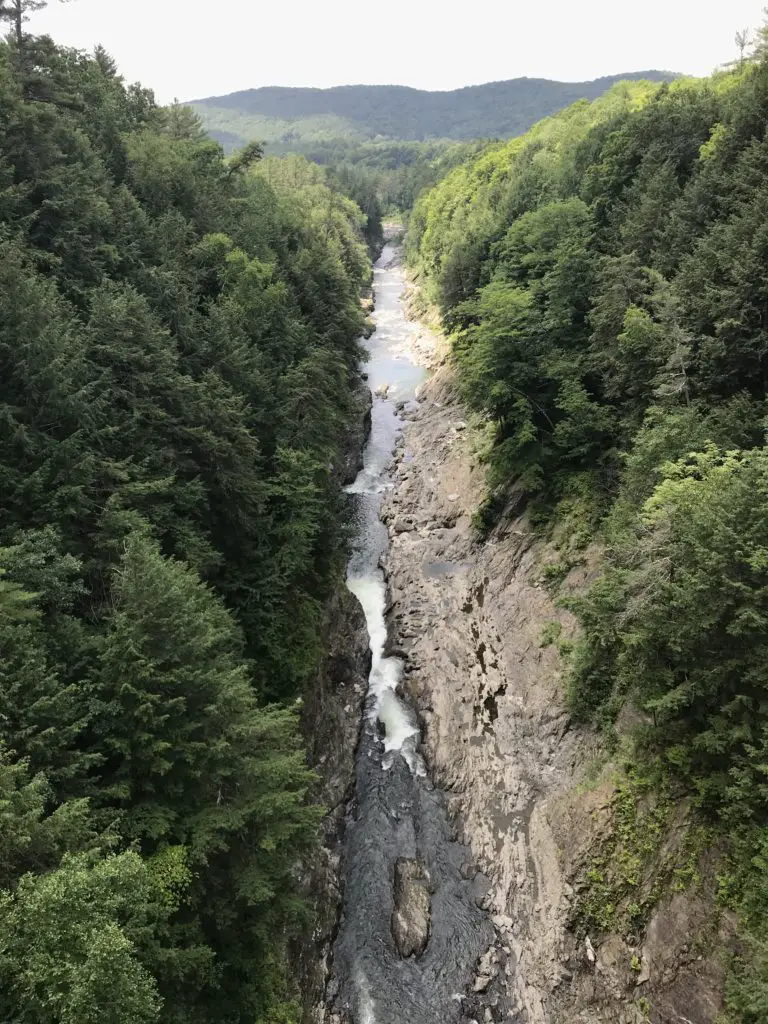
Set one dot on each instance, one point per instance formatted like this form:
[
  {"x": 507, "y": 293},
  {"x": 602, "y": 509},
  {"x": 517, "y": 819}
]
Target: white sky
[{"x": 194, "y": 48}]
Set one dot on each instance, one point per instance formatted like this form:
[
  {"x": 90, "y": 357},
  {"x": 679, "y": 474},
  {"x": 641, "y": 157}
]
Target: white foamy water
[
  {"x": 396, "y": 377},
  {"x": 401, "y": 730}
]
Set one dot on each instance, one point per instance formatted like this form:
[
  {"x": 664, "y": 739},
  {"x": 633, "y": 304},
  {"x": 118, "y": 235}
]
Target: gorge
[
  {"x": 477, "y": 809},
  {"x": 392, "y": 660}
]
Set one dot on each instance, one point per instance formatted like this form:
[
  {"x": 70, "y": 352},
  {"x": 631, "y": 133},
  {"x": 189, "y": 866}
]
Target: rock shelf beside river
[{"x": 467, "y": 620}]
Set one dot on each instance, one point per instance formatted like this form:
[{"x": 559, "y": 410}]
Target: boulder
[{"x": 411, "y": 916}]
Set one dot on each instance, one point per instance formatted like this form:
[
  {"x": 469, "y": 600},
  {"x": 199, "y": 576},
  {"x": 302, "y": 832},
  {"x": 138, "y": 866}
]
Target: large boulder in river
[{"x": 411, "y": 916}]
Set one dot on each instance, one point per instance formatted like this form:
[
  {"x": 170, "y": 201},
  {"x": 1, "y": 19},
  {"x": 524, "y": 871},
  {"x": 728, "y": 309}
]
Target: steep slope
[
  {"x": 604, "y": 281},
  {"x": 179, "y": 341},
  {"x": 361, "y": 112},
  {"x": 536, "y": 796}
]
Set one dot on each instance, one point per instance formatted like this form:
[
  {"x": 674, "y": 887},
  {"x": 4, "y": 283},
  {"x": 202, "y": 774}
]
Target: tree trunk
[{"x": 18, "y": 23}]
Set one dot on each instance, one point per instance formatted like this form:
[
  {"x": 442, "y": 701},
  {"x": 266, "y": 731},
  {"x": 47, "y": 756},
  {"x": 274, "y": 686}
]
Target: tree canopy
[{"x": 178, "y": 344}]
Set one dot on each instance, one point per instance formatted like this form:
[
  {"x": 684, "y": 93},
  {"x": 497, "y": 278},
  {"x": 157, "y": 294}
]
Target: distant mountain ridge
[{"x": 364, "y": 112}]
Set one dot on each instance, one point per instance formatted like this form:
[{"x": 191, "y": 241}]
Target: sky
[{"x": 189, "y": 49}]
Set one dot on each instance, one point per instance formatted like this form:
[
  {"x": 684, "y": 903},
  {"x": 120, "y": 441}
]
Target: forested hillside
[
  {"x": 604, "y": 280},
  {"x": 177, "y": 344},
  {"x": 358, "y": 113},
  {"x": 386, "y": 178}
]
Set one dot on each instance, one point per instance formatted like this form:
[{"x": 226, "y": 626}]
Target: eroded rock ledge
[
  {"x": 354, "y": 440},
  {"x": 331, "y": 719}
]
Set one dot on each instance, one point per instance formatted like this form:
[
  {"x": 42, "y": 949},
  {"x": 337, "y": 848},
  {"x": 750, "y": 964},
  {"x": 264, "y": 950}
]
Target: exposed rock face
[
  {"x": 468, "y": 618},
  {"x": 411, "y": 916},
  {"x": 355, "y": 438},
  {"x": 331, "y": 720}
]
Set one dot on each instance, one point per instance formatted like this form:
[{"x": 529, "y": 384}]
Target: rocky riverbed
[{"x": 413, "y": 925}]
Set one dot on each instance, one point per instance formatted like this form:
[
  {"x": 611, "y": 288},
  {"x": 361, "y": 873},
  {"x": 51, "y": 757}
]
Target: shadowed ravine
[{"x": 398, "y": 827}]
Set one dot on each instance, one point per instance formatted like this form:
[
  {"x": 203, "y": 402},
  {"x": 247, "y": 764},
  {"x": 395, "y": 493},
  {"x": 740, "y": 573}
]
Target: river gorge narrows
[{"x": 411, "y": 929}]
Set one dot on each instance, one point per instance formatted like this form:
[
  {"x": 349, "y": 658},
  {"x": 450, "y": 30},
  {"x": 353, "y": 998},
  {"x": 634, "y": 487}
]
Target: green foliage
[
  {"x": 35, "y": 834},
  {"x": 550, "y": 634},
  {"x": 744, "y": 889},
  {"x": 678, "y": 622},
  {"x": 604, "y": 280},
  {"x": 182, "y": 740},
  {"x": 72, "y": 943},
  {"x": 746, "y": 991},
  {"x": 384, "y": 177},
  {"x": 178, "y": 337},
  {"x": 615, "y": 896}
]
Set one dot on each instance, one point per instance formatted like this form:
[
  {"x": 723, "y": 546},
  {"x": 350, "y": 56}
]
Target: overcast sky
[{"x": 191, "y": 49}]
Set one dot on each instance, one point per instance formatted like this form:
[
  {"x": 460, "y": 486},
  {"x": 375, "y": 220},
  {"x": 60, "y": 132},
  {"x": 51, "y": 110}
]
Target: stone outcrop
[{"x": 331, "y": 719}]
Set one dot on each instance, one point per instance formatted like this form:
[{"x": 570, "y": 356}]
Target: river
[{"x": 397, "y": 814}]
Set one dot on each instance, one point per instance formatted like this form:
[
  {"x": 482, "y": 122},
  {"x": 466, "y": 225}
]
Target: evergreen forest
[
  {"x": 178, "y": 340},
  {"x": 180, "y": 325},
  {"x": 604, "y": 281}
]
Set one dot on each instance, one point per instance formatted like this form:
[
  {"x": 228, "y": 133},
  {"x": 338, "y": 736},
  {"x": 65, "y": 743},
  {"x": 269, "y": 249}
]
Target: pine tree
[
  {"x": 17, "y": 13},
  {"x": 43, "y": 712},
  {"x": 32, "y": 837},
  {"x": 191, "y": 759}
]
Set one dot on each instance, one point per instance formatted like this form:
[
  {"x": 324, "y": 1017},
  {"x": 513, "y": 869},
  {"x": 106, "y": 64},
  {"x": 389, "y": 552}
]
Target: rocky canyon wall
[{"x": 535, "y": 796}]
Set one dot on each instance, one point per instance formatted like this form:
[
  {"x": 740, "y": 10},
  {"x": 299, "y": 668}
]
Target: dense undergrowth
[
  {"x": 177, "y": 344},
  {"x": 604, "y": 279}
]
